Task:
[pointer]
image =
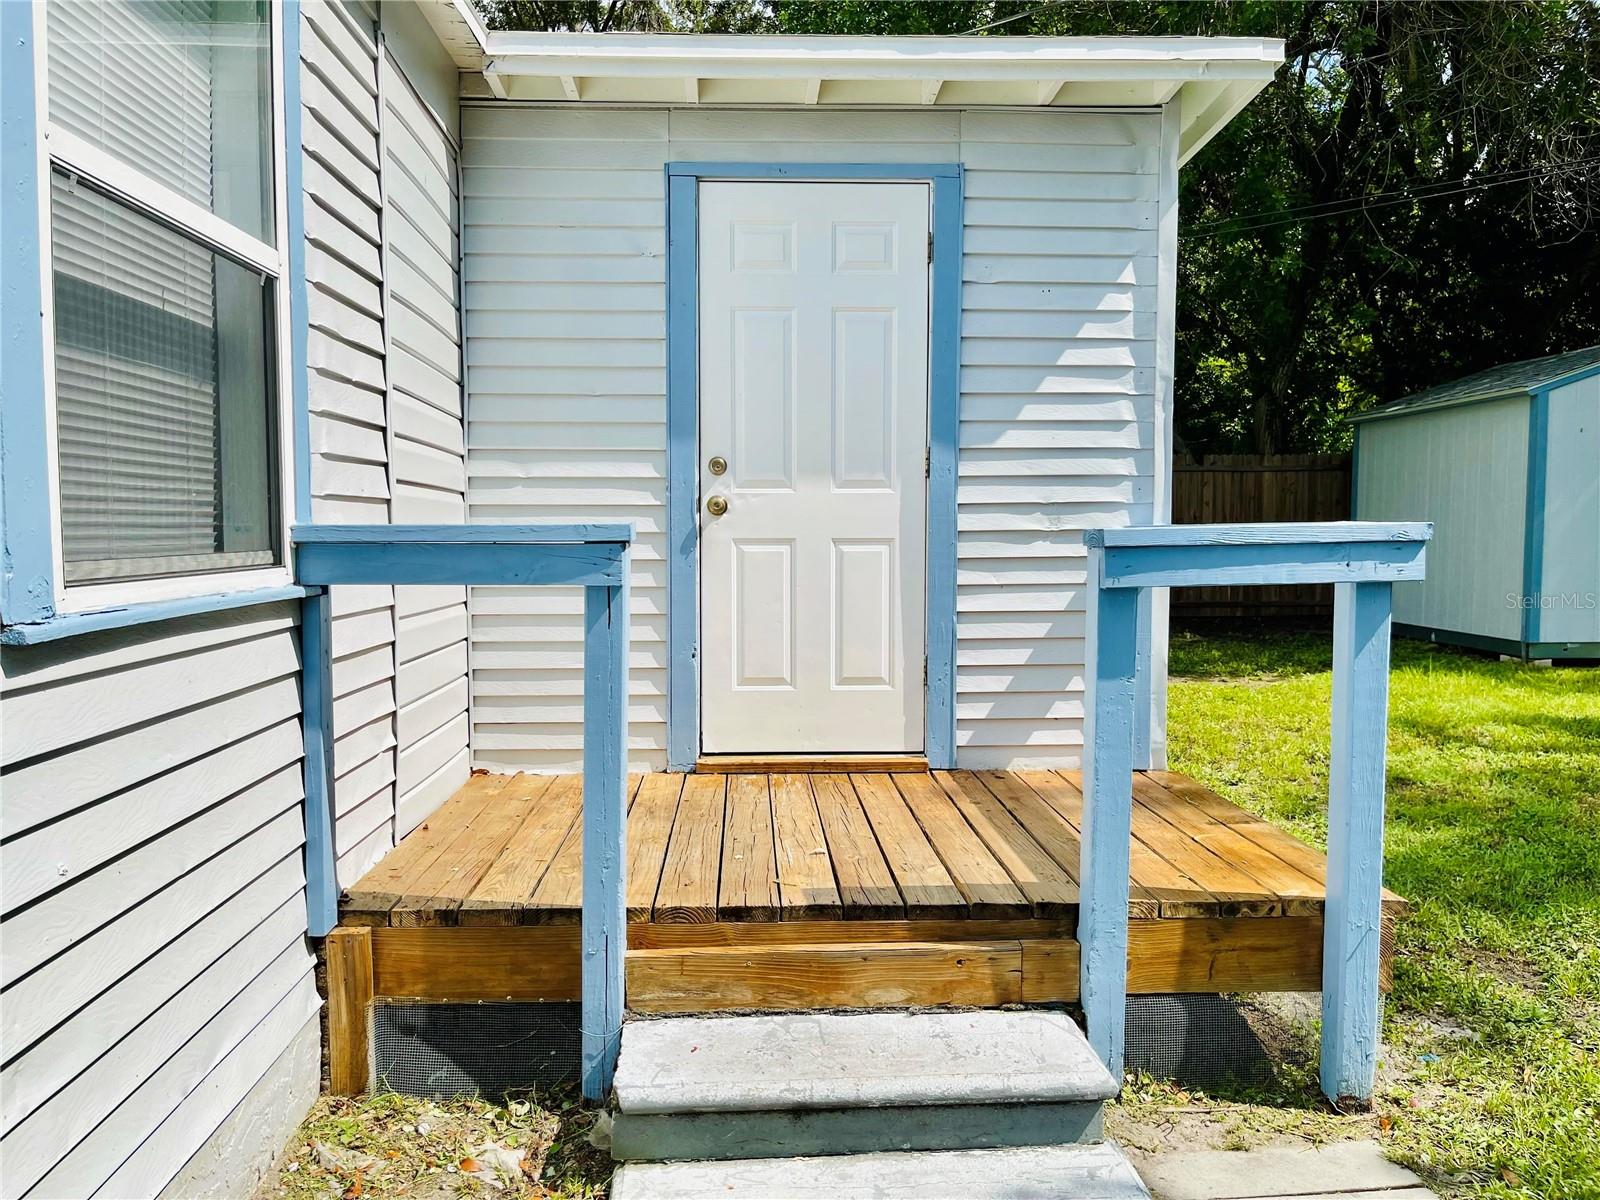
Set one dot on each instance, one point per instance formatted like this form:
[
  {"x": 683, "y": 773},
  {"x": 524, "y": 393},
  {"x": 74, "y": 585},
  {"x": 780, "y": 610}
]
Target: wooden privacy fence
[{"x": 1249, "y": 488}]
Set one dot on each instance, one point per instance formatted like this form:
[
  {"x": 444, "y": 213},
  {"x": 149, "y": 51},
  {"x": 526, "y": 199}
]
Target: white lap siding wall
[
  {"x": 159, "y": 1013},
  {"x": 564, "y": 268},
  {"x": 155, "y": 962},
  {"x": 381, "y": 218}
]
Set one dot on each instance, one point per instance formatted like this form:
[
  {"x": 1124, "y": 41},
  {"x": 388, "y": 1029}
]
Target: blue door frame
[{"x": 683, "y": 435}]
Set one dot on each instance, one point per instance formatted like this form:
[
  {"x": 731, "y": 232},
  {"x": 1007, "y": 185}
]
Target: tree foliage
[{"x": 1414, "y": 197}]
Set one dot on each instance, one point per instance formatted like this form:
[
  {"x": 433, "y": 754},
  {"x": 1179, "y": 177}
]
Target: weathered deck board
[
  {"x": 805, "y": 878},
  {"x": 498, "y": 897},
  {"x": 749, "y": 886},
  {"x": 866, "y": 884},
  {"x": 747, "y": 848},
  {"x": 688, "y": 889},
  {"x": 1048, "y": 887},
  {"x": 925, "y": 884},
  {"x": 655, "y": 808}
]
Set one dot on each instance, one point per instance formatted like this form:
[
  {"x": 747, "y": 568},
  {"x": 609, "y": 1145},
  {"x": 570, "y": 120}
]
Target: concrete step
[
  {"x": 837, "y": 1084},
  {"x": 1021, "y": 1173}
]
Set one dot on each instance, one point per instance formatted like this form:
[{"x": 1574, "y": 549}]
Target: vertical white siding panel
[
  {"x": 350, "y": 474},
  {"x": 564, "y": 269},
  {"x": 427, "y": 442},
  {"x": 1465, "y": 469},
  {"x": 1571, "y": 576}
]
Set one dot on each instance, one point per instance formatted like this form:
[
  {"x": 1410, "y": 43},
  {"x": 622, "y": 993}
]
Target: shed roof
[
  {"x": 1510, "y": 379},
  {"x": 1213, "y": 77}
]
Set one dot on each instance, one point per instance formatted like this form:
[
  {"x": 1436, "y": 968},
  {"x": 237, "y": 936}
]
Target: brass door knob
[
  {"x": 717, "y": 465},
  {"x": 717, "y": 505}
]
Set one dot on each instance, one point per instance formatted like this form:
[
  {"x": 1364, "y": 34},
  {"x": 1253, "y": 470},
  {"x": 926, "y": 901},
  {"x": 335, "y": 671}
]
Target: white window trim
[{"x": 61, "y": 148}]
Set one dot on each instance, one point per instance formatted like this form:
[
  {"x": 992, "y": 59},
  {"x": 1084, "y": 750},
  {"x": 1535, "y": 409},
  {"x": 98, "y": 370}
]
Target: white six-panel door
[{"x": 814, "y": 390}]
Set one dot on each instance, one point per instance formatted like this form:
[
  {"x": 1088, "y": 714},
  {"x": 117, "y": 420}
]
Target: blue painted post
[
  {"x": 1107, "y": 812},
  {"x": 1352, "y": 924},
  {"x": 605, "y": 822},
  {"x": 316, "y": 715},
  {"x": 1143, "y": 683}
]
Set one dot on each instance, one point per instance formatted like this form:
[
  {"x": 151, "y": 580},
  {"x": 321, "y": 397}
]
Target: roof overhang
[{"x": 1213, "y": 78}]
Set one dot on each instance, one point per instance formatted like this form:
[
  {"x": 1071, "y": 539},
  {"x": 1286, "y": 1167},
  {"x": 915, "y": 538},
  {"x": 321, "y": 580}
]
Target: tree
[{"x": 1413, "y": 198}]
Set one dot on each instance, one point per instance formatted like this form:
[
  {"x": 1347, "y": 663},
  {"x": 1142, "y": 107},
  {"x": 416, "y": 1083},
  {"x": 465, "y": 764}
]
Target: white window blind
[{"x": 161, "y": 397}]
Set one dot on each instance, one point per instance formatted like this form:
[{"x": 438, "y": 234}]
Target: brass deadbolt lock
[
  {"x": 717, "y": 505},
  {"x": 717, "y": 465}
]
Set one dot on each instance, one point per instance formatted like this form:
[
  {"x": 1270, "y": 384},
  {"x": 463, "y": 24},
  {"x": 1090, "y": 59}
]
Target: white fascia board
[
  {"x": 1208, "y": 106},
  {"x": 459, "y": 28},
  {"x": 995, "y": 59}
]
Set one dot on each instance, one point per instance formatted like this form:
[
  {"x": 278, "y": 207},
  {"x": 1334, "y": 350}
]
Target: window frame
[{"x": 60, "y": 148}]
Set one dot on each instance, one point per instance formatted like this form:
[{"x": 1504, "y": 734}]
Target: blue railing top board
[
  {"x": 1262, "y": 534},
  {"x": 1235, "y": 555},
  {"x": 494, "y": 555},
  {"x": 521, "y": 535}
]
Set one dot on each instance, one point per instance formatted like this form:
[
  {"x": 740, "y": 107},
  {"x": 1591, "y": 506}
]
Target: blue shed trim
[
  {"x": 1355, "y": 472},
  {"x": 683, "y": 428},
  {"x": 1533, "y": 522},
  {"x": 27, "y": 558}
]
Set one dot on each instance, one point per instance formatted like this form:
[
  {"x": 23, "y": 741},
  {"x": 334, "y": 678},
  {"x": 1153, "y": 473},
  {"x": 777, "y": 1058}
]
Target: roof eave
[{"x": 1214, "y": 77}]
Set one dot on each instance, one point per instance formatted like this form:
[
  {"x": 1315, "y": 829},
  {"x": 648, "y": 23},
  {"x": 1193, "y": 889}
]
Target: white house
[{"x": 858, "y": 333}]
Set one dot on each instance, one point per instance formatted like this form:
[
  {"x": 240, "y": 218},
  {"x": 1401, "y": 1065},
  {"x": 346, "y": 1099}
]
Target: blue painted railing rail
[
  {"x": 593, "y": 557},
  {"x": 1363, "y": 560}
]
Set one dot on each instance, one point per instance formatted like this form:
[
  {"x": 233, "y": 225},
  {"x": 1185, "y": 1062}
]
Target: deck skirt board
[{"x": 747, "y": 849}]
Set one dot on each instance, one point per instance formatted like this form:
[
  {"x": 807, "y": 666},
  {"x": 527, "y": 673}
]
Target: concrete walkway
[{"x": 1331, "y": 1172}]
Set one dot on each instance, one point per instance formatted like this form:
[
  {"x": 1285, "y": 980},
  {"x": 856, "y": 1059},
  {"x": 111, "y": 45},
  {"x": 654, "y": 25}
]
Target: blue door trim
[
  {"x": 683, "y": 436},
  {"x": 1533, "y": 522}
]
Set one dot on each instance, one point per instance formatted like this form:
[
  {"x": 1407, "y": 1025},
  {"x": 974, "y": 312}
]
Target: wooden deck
[
  {"x": 747, "y": 848},
  {"x": 792, "y": 891}
]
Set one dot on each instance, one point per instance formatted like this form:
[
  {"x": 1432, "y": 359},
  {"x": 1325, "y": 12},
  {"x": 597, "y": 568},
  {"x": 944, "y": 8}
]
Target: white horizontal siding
[
  {"x": 1058, "y": 383},
  {"x": 152, "y": 951},
  {"x": 428, "y": 446},
  {"x": 564, "y": 267},
  {"x": 349, "y": 376},
  {"x": 387, "y": 441}
]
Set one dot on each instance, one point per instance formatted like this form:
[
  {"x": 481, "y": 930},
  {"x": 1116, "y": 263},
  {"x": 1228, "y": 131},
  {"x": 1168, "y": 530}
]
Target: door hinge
[
  {"x": 930, "y": 247},
  {"x": 927, "y": 464}
]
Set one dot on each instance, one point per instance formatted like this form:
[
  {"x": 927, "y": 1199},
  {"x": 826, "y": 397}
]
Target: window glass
[
  {"x": 165, "y": 431},
  {"x": 180, "y": 90}
]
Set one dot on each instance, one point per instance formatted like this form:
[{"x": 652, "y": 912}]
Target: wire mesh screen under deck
[
  {"x": 1196, "y": 1040},
  {"x": 444, "y": 1050}
]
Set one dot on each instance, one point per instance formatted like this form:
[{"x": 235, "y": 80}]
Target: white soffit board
[{"x": 1213, "y": 78}]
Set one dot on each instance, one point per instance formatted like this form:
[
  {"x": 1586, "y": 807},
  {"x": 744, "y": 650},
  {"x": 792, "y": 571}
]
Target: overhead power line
[
  {"x": 1255, "y": 222},
  {"x": 1028, "y": 12}
]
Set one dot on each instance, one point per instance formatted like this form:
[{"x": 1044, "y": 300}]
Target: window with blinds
[{"x": 165, "y": 330}]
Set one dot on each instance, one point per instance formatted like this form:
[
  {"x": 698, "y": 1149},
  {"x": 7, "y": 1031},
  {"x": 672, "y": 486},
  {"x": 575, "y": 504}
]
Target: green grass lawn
[{"x": 1491, "y": 1083}]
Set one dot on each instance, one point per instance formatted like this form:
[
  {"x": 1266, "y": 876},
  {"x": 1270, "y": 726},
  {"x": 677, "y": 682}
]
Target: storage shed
[{"x": 1506, "y": 463}]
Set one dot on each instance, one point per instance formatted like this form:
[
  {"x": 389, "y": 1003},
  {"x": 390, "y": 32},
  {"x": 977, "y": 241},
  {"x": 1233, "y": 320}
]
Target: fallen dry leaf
[{"x": 1511, "y": 1177}]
